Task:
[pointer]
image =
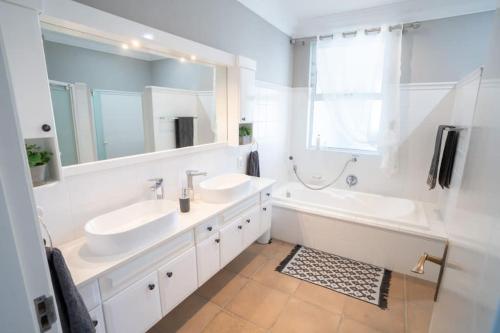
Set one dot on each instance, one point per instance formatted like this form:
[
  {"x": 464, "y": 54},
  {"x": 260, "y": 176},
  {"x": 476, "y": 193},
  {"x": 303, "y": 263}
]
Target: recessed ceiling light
[
  {"x": 193, "y": 57},
  {"x": 182, "y": 59},
  {"x": 124, "y": 46},
  {"x": 135, "y": 43},
  {"x": 149, "y": 36}
]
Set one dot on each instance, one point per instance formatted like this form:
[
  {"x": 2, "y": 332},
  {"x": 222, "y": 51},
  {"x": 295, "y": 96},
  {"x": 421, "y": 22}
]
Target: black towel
[
  {"x": 73, "y": 314},
  {"x": 253, "y": 168},
  {"x": 433, "y": 171},
  {"x": 448, "y": 159},
  {"x": 184, "y": 132}
]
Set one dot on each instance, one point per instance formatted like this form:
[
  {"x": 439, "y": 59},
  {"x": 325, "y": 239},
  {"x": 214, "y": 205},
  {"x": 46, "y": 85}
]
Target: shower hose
[{"x": 351, "y": 160}]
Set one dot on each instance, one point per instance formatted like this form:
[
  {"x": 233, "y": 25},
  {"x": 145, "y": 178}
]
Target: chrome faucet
[
  {"x": 190, "y": 174},
  {"x": 157, "y": 188}
]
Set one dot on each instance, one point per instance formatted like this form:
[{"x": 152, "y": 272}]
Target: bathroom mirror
[{"x": 112, "y": 99}]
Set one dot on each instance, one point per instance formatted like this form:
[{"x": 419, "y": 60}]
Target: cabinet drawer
[
  {"x": 266, "y": 194},
  {"x": 208, "y": 258},
  {"x": 178, "y": 279},
  {"x": 123, "y": 276},
  {"x": 98, "y": 319},
  {"x": 90, "y": 294},
  {"x": 231, "y": 240},
  {"x": 239, "y": 208},
  {"x": 266, "y": 217},
  {"x": 206, "y": 229},
  {"x": 135, "y": 309}
]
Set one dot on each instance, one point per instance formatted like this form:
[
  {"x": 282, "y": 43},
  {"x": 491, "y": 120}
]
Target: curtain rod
[{"x": 353, "y": 33}]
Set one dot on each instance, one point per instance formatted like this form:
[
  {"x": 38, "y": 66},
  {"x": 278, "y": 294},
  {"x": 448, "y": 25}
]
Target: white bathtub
[
  {"x": 379, "y": 230},
  {"x": 356, "y": 206}
]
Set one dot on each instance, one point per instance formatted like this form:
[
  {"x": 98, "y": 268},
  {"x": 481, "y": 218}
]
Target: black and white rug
[{"x": 353, "y": 278}]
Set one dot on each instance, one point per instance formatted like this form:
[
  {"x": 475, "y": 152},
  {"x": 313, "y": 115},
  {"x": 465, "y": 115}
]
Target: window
[{"x": 346, "y": 99}]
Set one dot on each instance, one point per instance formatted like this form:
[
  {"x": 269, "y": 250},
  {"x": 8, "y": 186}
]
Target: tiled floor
[{"x": 248, "y": 295}]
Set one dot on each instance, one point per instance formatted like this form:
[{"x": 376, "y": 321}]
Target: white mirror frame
[{"x": 80, "y": 18}]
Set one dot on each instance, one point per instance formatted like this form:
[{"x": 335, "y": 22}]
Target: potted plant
[
  {"x": 245, "y": 135},
  {"x": 38, "y": 160}
]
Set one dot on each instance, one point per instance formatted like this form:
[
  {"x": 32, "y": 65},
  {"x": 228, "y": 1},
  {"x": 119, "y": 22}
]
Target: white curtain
[
  {"x": 389, "y": 132},
  {"x": 356, "y": 100}
]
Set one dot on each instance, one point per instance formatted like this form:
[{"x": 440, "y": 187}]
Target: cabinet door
[
  {"x": 247, "y": 95},
  {"x": 251, "y": 221},
  {"x": 265, "y": 217},
  {"x": 178, "y": 279},
  {"x": 98, "y": 319},
  {"x": 231, "y": 241},
  {"x": 135, "y": 309},
  {"x": 208, "y": 258}
]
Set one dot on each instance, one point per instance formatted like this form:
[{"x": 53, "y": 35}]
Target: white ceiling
[{"x": 303, "y": 18}]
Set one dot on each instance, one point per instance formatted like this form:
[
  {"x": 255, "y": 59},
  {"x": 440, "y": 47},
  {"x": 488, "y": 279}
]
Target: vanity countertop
[{"x": 85, "y": 266}]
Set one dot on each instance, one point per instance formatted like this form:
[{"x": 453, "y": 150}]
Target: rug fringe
[
  {"x": 289, "y": 257},
  {"x": 384, "y": 289}
]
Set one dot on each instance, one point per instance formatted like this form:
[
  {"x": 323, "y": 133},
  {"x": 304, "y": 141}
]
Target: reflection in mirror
[{"x": 113, "y": 100}]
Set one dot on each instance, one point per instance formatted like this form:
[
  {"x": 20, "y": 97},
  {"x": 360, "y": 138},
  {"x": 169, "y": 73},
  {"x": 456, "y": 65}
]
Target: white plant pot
[
  {"x": 39, "y": 174},
  {"x": 245, "y": 140}
]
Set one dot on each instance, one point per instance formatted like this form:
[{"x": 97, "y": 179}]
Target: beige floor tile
[
  {"x": 419, "y": 316},
  {"x": 222, "y": 287},
  {"x": 348, "y": 325},
  {"x": 255, "y": 248},
  {"x": 190, "y": 316},
  {"x": 328, "y": 299},
  {"x": 277, "y": 249},
  {"x": 268, "y": 276},
  {"x": 418, "y": 290},
  {"x": 246, "y": 264},
  {"x": 389, "y": 320},
  {"x": 396, "y": 289},
  {"x": 228, "y": 323},
  {"x": 259, "y": 304},
  {"x": 299, "y": 316}
]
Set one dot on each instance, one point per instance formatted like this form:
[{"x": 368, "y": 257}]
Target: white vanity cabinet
[
  {"x": 135, "y": 309},
  {"x": 178, "y": 279},
  {"x": 208, "y": 258},
  {"x": 98, "y": 319},
  {"x": 231, "y": 240},
  {"x": 251, "y": 223}
]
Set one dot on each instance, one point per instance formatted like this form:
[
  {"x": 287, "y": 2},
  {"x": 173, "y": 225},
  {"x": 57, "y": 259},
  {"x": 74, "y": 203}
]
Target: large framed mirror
[{"x": 112, "y": 99}]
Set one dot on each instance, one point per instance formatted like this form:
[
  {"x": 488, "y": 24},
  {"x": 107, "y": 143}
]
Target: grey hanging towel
[
  {"x": 73, "y": 314},
  {"x": 253, "y": 168},
  {"x": 448, "y": 159},
  {"x": 184, "y": 132},
  {"x": 433, "y": 171}
]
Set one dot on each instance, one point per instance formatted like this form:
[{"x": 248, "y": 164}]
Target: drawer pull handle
[
  {"x": 268, "y": 194},
  {"x": 240, "y": 227},
  {"x": 248, "y": 220},
  {"x": 217, "y": 240},
  {"x": 169, "y": 274},
  {"x": 46, "y": 128},
  {"x": 95, "y": 323},
  {"x": 209, "y": 228},
  {"x": 264, "y": 209},
  {"x": 151, "y": 286}
]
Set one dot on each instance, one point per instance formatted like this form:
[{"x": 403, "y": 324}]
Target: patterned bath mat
[{"x": 353, "y": 278}]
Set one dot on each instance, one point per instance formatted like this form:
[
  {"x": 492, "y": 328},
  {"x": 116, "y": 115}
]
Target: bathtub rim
[{"x": 435, "y": 231}]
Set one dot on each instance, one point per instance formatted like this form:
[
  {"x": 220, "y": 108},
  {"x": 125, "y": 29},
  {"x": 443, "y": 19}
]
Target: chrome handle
[
  {"x": 240, "y": 227},
  {"x": 248, "y": 220},
  {"x": 268, "y": 194},
  {"x": 151, "y": 286},
  {"x": 209, "y": 228},
  {"x": 264, "y": 209},
  {"x": 217, "y": 240},
  {"x": 169, "y": 274}
]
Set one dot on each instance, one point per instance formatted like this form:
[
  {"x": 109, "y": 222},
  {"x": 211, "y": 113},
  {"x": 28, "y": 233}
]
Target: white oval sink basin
[
  {"x": 225, "y": 188},
  {"x": 131, "y": 227}
]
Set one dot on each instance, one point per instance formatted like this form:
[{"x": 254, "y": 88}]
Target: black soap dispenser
[{"x": 184, "y": 201}]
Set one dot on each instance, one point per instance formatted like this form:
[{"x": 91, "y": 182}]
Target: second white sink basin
[
  {"x": 131, "y": 227},
  {"x": 225, "y": 188}
]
